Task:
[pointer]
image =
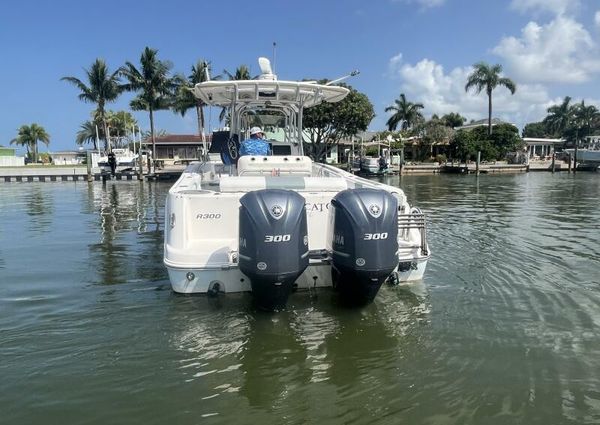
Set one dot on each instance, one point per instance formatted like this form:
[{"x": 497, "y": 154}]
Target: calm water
[{"x": 504, "y": 329}]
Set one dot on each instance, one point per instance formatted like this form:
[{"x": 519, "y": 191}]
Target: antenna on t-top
[
  {"x": 337, "y": 80},
  {"x": 274, "y": 55}
]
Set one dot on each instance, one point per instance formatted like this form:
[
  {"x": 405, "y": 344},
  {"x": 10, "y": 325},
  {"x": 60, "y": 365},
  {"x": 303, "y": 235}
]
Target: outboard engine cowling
[
  {"x": 273, "y": 244},
  {"x": 363, "y": 241}
]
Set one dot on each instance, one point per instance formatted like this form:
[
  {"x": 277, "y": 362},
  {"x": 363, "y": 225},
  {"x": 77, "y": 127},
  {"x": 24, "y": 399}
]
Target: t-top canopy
[{"x": 307, "y": 94}]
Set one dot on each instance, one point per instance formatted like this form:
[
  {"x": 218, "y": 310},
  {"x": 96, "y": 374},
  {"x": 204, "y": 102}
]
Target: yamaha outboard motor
[
  {"x": 273, "y": 245},
  {"x": 364, "y": 242}
]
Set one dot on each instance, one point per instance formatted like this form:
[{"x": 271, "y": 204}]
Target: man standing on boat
[
  {"x": 112, "y": 162},
  {"x": 382, "y": 164},
  {"x": 255, "y": 145}
]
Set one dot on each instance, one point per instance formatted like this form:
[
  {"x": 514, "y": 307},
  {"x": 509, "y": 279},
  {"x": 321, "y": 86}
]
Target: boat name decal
[
  {"x": 318, "y": 206},
  {"x": 211, "y": 216}
]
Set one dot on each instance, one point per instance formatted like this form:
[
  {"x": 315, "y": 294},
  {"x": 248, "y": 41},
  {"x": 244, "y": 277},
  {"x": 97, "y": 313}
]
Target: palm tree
[
  {"x": 153, "y": 84},
  {"x": 453, "y": 119},
  {"x": 587, "y": 118},
  {"x": 405, "y": 112},
  {"x": 488, "y": 77},
  {"x": 121, "y": 123},
  {"x": 29, "y": 136},
  {"x": 185, "y": 99},
  {"x": 573, "y": 122},
  {"x": 560, "y": 117},
  {"x": 87, "y": 134},
  {"x": 103, "y": 87},
  {"x": 241, "y": 73}
]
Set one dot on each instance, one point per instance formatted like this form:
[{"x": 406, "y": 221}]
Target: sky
[{"x": 423, "y": 48}]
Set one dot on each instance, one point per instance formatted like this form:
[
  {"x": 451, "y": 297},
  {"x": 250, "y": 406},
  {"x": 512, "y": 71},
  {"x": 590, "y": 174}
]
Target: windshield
[{"x": 279, "y": 126}]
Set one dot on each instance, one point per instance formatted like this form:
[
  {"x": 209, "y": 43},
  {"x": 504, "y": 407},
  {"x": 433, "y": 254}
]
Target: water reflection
[
  {"x": 39, "y": 205},
  {"x": 405, "y": 307},
  {"x": 109, "y": 256},
  {"x": 149, "y": 264},
  {"x": 130, "y": 232},
  {"x": 273, "y": 361},
  {"x": 340, "y": 355}
]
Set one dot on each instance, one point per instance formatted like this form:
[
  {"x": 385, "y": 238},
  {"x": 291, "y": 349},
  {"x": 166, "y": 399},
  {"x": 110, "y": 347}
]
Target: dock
[
  {"x": 484, "y": 168},
  {"x": 43, "y": 173},
  {"x": 77, "y": 173}
]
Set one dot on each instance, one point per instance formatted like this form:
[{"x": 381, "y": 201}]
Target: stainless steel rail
[{"x": 414, "y": 220}]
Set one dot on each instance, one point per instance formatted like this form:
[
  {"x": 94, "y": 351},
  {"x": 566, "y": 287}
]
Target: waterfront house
[
  {"x": 539, "y": 148},
  {"x": 68, "y": 157},
  {"x": 8, "y": 158}
]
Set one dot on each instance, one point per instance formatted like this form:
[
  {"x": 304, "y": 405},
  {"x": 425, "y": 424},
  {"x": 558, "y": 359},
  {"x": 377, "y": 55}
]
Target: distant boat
[
  {"x": 126, "y": 160},
  {"x": 586, "y": 155},
  {"x": 371, "y": 165},
  {"x": 590, "y": 153}
]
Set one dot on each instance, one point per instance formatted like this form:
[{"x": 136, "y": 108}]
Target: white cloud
[
  {"x": 557, "y": 7},
  {"x": 394, "y": 65},
  {"x": 441, "y": 93},
  {"x": 597, "y": 18},
  {"x": 560, "y": 51}
]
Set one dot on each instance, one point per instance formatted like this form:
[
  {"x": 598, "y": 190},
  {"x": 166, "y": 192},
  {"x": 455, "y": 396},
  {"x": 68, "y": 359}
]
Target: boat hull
[
  {"x": 586, "y": 155},
  {"x": 233, "y": 280},
  {"x": 205, "y": 241}
]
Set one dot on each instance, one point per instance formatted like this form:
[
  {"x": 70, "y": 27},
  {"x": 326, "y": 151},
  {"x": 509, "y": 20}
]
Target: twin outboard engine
[
  {"x": 364, "y": 241},
  {"x": 273, "y": 245}
]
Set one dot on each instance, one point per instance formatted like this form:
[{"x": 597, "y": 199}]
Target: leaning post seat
[
  {"x": 289, "y": 165},
  {"x": 236, "y": 184}
]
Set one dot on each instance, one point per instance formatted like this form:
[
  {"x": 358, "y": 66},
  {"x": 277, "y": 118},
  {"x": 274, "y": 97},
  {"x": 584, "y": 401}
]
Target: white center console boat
[
  {"x": 273, "y": 224},
  {"x": 124, "y": 160}
]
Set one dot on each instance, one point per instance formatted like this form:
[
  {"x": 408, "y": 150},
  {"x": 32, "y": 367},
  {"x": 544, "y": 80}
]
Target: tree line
[
  {"x": 572, "y": 122},
  {"x": 408, "y": 117},
  {"x": 569, "y": 121},
  {"x": 157, "y": 88}
]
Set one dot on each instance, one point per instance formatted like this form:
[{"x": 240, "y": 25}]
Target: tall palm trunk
[
  {"x": 106, "y": 141},
  {"x": 154, "y": 155},
  {"x": 489, "y": 112},
  {"x": 104, "y": 126}
]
